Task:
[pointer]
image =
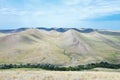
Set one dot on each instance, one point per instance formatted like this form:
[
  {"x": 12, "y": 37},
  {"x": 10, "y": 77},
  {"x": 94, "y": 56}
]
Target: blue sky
[{"x": 98, "y": 14}]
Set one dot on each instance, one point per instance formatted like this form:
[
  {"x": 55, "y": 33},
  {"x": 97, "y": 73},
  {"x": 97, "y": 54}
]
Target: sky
[{"x": 97, "y": 14}]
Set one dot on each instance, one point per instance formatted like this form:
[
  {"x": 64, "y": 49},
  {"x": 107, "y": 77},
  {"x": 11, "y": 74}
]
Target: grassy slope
[
  {"x": 30, "y": 46},
  {"x": 68, "y": 48},
  {"x": 106, "y": 46}
]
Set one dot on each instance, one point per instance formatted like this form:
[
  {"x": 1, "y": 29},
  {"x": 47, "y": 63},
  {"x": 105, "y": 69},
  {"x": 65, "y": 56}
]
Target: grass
[{"x": 57, "y": 75}]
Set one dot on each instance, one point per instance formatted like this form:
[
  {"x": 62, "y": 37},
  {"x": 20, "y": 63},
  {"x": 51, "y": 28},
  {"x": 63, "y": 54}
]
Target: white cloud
[
  {"x": 80, "y": 9},
  {"x": 77, "y": 2},
  {"x": 85, "y": 9},
  {"x": 67, "y": 12},
  {"x": 13, "y": 11}
]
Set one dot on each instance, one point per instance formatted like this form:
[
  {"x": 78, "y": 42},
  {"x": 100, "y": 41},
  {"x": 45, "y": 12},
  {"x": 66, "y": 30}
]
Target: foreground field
[{"x": 57, "y": 75}]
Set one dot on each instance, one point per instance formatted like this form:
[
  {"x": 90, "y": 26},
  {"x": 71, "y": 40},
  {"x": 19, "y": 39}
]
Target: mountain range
[{"x": 64, "y": 46}]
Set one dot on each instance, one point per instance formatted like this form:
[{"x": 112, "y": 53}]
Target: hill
[{"x": 65, "y": 46}]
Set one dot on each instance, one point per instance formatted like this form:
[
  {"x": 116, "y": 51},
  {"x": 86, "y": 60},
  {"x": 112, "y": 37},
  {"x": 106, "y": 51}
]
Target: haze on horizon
[{"x": 99, "y": 14}]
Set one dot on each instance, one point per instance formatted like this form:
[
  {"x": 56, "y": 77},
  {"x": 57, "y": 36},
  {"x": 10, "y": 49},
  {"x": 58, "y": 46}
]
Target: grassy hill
[{"x": 69, "y": 47}]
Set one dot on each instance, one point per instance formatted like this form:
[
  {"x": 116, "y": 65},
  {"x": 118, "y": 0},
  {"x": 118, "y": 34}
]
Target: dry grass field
[{"x": 57, "y": 75}]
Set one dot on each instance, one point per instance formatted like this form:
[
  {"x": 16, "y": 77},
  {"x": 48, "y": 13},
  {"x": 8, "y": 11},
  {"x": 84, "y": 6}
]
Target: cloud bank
[{"x": 56, "y": 12}]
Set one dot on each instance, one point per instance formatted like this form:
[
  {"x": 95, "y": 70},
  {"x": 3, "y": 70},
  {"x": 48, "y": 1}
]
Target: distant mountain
[
  {"x": 84, "y": 30},
  {"x": 66, "y": 46},
  {"x": 13, "y": 30},
  {"x": 56, "y": 29}
]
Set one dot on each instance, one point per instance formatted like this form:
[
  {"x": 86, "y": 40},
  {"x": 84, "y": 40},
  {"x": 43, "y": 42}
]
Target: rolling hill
[{"x": 65, "y": 46}]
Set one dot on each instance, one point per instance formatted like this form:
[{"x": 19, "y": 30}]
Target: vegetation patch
[{"x": 62, "y": 68}]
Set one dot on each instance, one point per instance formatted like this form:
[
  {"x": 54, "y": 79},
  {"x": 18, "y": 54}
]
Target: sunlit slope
[
  {"x": 2, "y": 34},
  {"x": 67, "y": 48},
  {"x": 30, "y": 46},
  {"x": 105, "y": 46}
]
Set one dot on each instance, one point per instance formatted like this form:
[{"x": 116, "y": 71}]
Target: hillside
[{"x": 59, "y": 46}]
